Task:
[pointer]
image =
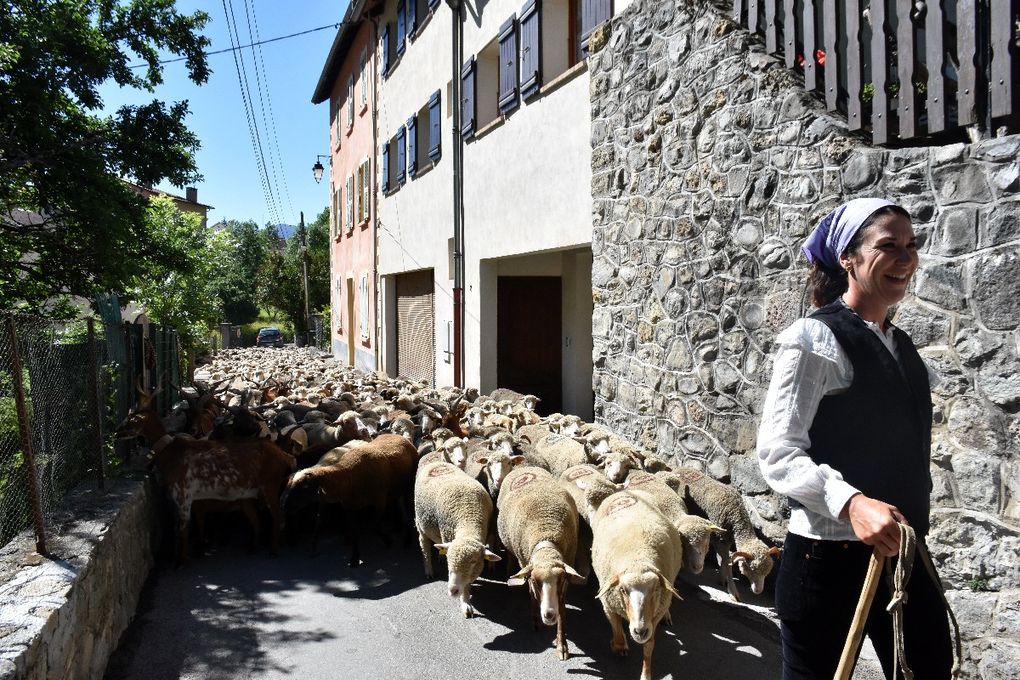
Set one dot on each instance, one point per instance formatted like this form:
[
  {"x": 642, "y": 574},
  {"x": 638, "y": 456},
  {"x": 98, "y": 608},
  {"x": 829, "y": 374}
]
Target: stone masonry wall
[
  {"x": 710, "y": 165},
  {"x": 61, "y": 617}
]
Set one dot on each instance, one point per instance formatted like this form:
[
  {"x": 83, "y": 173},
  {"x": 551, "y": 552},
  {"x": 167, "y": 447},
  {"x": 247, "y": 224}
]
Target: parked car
[{"x": 269, "y": 337}]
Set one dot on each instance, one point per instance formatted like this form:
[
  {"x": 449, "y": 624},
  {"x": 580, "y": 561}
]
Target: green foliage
[
  {"x": 68, "y": 224},
  {"x": 281, "y": 277},
  {"x": 183, "y": 298},
  {"x": 978, "y": 585},
  {"x": 237, "y": 288}
]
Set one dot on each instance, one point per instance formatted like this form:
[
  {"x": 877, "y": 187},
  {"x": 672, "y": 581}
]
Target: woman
[{"x": 846, "y": 435}]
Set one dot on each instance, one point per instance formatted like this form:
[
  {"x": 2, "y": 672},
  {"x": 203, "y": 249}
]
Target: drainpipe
[{"x": 457, "y": 40}]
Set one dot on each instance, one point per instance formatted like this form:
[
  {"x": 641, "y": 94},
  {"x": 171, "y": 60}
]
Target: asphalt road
[{"x": 231, "y": 614}]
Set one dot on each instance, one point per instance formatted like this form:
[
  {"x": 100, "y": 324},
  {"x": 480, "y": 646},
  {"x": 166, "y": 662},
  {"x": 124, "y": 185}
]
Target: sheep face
[
  {"x": 617, "y": 465},
  {"x": 697, "y": 533},
  {"x": 569, "y": 426},
  {"x": 547, "y": 585},
  {"x": 639, "y": 593},
  {"x": 497, "y": 466},
  {"x": 530, "y": 401},
  {"x": 755, "y": 566},
  {"x": 465, "y": 561},
  {"x": 455, "y": 451}
]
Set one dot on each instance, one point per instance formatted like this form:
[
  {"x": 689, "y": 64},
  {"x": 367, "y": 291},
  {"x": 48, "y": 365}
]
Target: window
[
  {"x": 410, "y": 18},
  {"x": 366, "y": 189},
  {"x": 350, "y": 101},
  {"x": 468, "y": 108},
  {"x": 350, "y": 203},
  {"x": 401, "y": 161},
  {"x": 401, "y": 27},
  {"x": 384, "y": 178},
  {"x": 363, "y": 191},
  {"x": 558, "y": 37},
  {"x": 363, "y": 307},
  {"x": 507, "y": 39},
  {"x": 412, "y": 145},
  {"x": 336, "y": 212},
  {"x": 593, "y": 13},
  {"x": 434, "y": 129},
  {"x": 336, "y": 306},
  {"x": 385, "y": 49},
  {"x": 486, "y": 87},
  {"x": 531, "y": 49},
  {"x": 337, "y": 134},
  {"x": 364, "y": 76}
]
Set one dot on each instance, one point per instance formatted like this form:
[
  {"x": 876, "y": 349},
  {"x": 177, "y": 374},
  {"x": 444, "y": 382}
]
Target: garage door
[{"x": 416, "y": 344}]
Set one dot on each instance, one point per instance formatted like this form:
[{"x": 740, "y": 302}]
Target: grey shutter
[
  {"x": 531, "y": 49},
  {"x": 435, "y": 132},
  {"x": 411, "y": 16},
  {"x": 385, "y": 166},
  {"x": 412, "y": 145},
  {"x": 467, "y": 101},
  {"x": 508, "y": 64},
  {"x": 401, "y": 28},
  {"x": 433, "y": 3},
  {"x": 401, "y": 161},
  {"x": 386, "y": 50},
  {"x": 415, "y": 327},
  {"x": 593, "y": 13}
]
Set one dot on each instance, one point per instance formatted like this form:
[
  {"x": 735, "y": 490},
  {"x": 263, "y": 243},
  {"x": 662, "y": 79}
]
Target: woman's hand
[{"x": 875, "y": 522}]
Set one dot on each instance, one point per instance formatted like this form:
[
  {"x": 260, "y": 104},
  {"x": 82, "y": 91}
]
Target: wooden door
[{"x": 529, "y": 332}]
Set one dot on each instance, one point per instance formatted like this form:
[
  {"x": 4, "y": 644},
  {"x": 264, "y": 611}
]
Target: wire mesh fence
[{"x": 63, "y": 389}]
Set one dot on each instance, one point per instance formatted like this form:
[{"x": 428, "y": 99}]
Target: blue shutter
[
  {"x": 508, "y": 64},
  {"x": 411, "y": 16},
  {"x": 433, "y": 3},
  {"x": 401, "y": 27},
  {"x": 593, "y": 13},
  {"x": 401, "y": 161},
  {"x": 412, "y": 145},
  {"x": 385, "y": 166},
  {"x": 531, "y": 49},
  {"x": 386, "y": 50},
  {"x": 467, "y": 100},
  {"x": 435, "y": 132}
]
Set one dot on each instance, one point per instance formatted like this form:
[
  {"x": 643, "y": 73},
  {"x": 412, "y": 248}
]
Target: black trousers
[{"x": 817, "y": 588}]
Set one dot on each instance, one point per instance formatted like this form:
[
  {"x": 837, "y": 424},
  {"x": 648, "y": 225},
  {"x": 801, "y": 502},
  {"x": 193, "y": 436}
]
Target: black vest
[{"x": 878, "y": 432}]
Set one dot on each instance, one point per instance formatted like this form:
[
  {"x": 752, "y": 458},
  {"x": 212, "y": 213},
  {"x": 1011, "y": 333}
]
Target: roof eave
[{"x": 338, "y": 51}]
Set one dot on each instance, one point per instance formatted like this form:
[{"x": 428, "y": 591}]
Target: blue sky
[{"x": 227, "y": 160}]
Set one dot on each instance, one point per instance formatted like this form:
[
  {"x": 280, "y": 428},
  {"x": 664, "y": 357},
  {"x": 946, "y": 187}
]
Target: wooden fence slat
[
  {"x": 905, "y": 70},
  {"x": 771, "y": 30},
  {"x": 752, "y": 16},
  {"x": 934, "y": 51},
  {"x": 810, "y": 75},
  {"x": 1004, "y": 18},
  {"x": 789, "y": 34},
  {"x": 853, "y": 65},
  {"x": 831, "y": 66},
  {"x": 966, "y": 50},
  {"x": 880, "y": 100}
]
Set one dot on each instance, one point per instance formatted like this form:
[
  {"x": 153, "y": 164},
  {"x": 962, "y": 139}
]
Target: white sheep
[
  {"x": 538, "y": 524},
  {"x": 452, "y": 512},
  {"x": 723, "y": 505},
  {"x": 636, "y": 553},
  {"x": 557, "y": 452}
]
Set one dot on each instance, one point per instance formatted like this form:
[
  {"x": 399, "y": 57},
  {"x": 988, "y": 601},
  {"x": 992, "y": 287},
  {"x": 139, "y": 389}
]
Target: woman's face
[{"x": 887, "y": 258}]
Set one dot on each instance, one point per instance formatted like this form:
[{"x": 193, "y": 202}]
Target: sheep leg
[
  {"x": 619, "y": 642},
  {"x": 426, "y": 553},
  {"x": 726, "y": 569},
  {"x": 646, "y": 662},
  {"x": 535, "y": 615},
  {"x": 561, "y": 641}
]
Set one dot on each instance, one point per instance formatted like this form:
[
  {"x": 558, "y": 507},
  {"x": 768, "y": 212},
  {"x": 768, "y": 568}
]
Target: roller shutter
[{"x": 416, "y": 344}]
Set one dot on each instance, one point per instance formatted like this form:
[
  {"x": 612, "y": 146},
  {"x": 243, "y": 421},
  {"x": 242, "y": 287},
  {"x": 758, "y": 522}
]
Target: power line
[{"x": 241, "y": 47}]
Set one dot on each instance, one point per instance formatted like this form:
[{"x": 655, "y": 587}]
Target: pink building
[{"x": 348, "y": 81}]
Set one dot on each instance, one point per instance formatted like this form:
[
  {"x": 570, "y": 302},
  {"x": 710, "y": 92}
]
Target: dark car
[{"x": 269, "y": 337}]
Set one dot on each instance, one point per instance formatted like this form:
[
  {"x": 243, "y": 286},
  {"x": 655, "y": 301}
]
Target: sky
[{"x": 292, "y": 129}]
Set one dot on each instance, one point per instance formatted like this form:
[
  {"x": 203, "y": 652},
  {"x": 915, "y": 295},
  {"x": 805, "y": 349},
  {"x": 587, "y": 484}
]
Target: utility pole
[{"x": 304, "y": 275}]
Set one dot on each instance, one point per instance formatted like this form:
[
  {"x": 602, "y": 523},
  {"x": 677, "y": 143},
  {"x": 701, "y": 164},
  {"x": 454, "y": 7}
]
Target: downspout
[
  {"x": 376, "y": 297},
  {"x": 457, "y": 40}
]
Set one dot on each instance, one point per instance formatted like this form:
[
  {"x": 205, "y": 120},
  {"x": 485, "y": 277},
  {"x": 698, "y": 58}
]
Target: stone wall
[
  {"x": 61, "y": 617},
  {"x": 710, "y": 165}
]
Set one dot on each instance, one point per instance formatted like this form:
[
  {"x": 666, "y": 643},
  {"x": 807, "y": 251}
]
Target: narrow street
[{"x": 231, "y": 614}]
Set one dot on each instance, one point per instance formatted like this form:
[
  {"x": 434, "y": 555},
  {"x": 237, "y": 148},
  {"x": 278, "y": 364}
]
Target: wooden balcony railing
[{"x": 903, "y": 69}]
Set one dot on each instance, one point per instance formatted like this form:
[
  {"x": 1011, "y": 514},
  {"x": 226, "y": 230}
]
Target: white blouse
[{"x": 809, "y": 364}]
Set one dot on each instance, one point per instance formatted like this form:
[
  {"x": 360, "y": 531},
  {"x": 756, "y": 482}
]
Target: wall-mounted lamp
[{"x": 317, "y": 168}]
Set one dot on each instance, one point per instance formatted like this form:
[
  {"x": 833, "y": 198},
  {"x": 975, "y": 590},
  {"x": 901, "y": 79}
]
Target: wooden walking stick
[{"x": 848, "y": 659}]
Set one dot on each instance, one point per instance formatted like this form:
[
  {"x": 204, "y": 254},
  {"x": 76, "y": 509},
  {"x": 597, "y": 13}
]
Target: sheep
[
  {"x": 696, "y": 532},
  {"x": 495, "y": 462},
  {"x": 537, "y": 522},
  {"x": 723, "y": 505},
  {"x": 452, "y": 512},
  {"x": 636, "y": 554},
  {"x": 589, "y": 488},
  {"x": 617, "y": 464},
  {"x": 367, "y": 475},
  {"x": 556, "y": 453}
]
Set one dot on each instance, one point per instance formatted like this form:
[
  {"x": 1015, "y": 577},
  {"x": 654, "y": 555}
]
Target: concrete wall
[
  {"x": 62, "y": 616},
  {"x": 710, "y": 166}
]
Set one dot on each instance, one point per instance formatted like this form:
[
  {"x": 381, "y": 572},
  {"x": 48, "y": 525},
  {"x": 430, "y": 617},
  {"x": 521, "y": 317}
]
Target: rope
[{"x": 897, "y": 578}]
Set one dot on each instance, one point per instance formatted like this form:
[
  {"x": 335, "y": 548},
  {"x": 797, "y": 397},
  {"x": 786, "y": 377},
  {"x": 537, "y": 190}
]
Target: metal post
[
  {"x": 26, "y": 439},
  {"x": 94, "y": 403},
  {"x": 304, "y": 271}
]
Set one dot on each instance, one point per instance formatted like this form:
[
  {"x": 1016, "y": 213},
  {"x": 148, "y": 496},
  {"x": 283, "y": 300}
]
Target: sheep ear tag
[{"x": 442, "y": 547}]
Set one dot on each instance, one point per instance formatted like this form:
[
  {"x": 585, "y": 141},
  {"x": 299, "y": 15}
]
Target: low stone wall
[
  {"x": 710, "y": 163},
  {"x": 61, "y": 617}
]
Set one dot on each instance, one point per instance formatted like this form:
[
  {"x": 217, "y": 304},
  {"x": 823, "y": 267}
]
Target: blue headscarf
[{"x": 830, "y": 237}]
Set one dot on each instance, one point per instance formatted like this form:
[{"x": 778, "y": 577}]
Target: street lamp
[{"x": 317, "y": 168}]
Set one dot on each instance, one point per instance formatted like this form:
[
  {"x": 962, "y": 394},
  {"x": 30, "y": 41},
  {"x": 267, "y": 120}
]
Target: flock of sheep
[{"x": 554, "y": 498}]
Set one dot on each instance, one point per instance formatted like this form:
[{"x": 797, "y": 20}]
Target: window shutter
[
  {"x": 385, "y": 50},
  {"x": 508, "y": 64},
  {"x": 412, "y": 145},
  {"x": 363, "y": 321},
  {"x": 467, "y": 101},
  {"x": 385, "y": 154},
  {"x": 411, "y": 17},
  {"x": 435, "y": 132},
  {"x": 363, "y": 77},
  {"x": 350, "y": 202},
  {"x": 350, "y": 100},
  {"x": 401, "y": 160},
  {"x": 593, "y": 13},
  {"x": 531, "y": 49},
  {"x": 401, "y": 28},
  {"x": 433, "y": 3},
  {"x": 360, "y": 187},
  {"x": 365, "y": 191}
]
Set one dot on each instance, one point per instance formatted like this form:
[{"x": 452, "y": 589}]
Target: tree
[
  {"x": 238, "y": 285},
  {"x": 68, "y": 224},
  {"x": 185, "y": 301},
  {"x": 283, "y": 269}
]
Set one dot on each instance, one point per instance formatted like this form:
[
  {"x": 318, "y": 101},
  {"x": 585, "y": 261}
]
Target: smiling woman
[{"x": 846, "y": 435}]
